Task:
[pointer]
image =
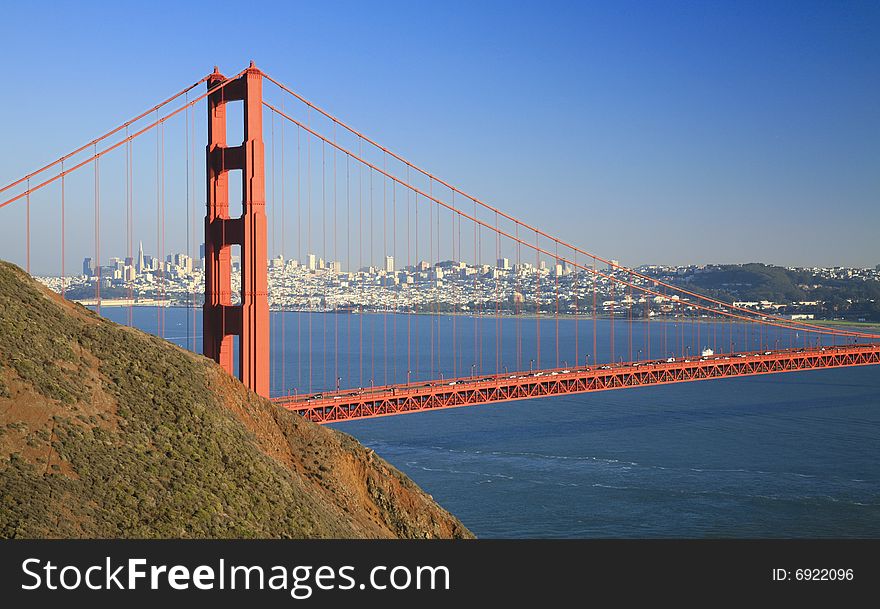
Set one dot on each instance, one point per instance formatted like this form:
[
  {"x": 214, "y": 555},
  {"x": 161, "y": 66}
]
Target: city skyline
[
  {"x": 502, "y": 286},
  {"x": 316, "y": 261}
]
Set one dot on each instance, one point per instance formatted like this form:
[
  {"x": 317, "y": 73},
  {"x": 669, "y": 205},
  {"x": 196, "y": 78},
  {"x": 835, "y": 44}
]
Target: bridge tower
[{"x": 250, "y": 320}]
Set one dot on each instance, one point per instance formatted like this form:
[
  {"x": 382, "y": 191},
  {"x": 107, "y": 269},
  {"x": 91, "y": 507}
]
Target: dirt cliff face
[{"x": 106, "y": 431}]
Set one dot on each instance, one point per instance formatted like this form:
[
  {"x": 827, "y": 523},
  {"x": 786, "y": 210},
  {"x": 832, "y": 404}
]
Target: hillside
[
  {"x": 839, "y": 296},
  {"x": 106, "y": 431}
]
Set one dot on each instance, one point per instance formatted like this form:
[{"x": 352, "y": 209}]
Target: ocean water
[{"x": 788, "y": 455}]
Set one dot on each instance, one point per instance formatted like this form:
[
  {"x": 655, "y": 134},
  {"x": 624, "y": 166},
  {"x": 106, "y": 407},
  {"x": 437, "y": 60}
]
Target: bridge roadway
[{"x": 350, "y": 404}]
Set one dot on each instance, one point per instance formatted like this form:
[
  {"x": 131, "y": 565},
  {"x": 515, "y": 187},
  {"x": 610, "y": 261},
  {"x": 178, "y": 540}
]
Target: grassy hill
[
  {"x": 852, "y": 298},
  {"x": 106, "y": 431}
]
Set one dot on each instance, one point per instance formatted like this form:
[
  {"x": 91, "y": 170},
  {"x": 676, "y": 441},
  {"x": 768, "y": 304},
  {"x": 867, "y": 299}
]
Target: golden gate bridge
[{"x": 345, "y": 181}]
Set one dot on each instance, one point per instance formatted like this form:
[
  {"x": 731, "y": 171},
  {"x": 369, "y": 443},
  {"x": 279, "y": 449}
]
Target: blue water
[{"x": 789, "y": 455}]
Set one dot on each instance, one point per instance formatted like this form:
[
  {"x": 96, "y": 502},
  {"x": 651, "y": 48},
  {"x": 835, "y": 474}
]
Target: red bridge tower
[{"x": 250, "y": 320}]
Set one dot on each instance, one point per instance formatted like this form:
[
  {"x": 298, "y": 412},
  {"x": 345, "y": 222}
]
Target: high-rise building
[
  {"x": 504, "y": 263},
  {"x": 88, "y": 267},
  {"x": 389, "y": 264},
  {"x": 140, "y": 263},
  {"x": 312, "y": 262},
  {"x": 613, "y": 264},
  {"x": 181, "y": 261}
]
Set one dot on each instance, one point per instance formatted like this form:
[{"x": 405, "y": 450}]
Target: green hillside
[{"x": 109, "y": 432}]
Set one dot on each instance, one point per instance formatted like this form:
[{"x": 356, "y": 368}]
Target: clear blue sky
[{"x": 668, "y": 132}]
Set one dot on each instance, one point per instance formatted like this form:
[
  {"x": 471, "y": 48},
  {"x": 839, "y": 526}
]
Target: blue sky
[{"x": 668, "y": 132}]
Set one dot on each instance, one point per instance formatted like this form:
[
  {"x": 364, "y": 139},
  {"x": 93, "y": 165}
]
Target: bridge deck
[{"x": 469, "y": 391}]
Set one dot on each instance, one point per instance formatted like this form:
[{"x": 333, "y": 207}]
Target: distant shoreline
[
  {"x": 118, "y": 303},
  {"x": 858, "y": 325}
]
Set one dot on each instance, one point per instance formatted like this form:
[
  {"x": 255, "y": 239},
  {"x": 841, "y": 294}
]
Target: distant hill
[
  {"x": 106, "y": 431},
  {"x": 752, "y": 282},
  {"x": 755, "y": 282}
]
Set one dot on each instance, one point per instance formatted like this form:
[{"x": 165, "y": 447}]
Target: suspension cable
[{"x": 492, "y": 209}]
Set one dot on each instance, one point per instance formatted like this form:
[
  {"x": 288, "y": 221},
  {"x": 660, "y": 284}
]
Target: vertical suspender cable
[
  {"x": 27, "y": 223},
  {"x": 574, "y": 290},
  {"x": 498, "y": 329},
  {"x": 129, "y": 212},
  {"x": 416, "y": 261},
  {"x": 556, "y": 286},
  {"x": 394, "y": 255},
  {"x": 613, "y": 287},
  {"x": 309, "y": 252},
  {"x": 537, "y": 303},
  {"x": 195, "y": 249},
  {"x": 455, "y": 366},
  {"x": 348, "y": 360},
  {"x": 97, "y": 233},
  {"x": 284, "y": 382},
  {"x": 372, "y": 329},
  {"x": 324, "y": 251},
  {"x": 480, "y": 323},
  {"x": 681, "y": 311},
  {"x": 162, "y": 254},
  {"x": 158, "y": 264},
  {"x": 646, "y": 325},
  {"x": 457, "y": 259},
  {"x": 336, "y": 379},
  {"x": 272, "y": 250},
  {"x": 665, "y": 327},
  {"x": 299, "y": 252},
  {"x": 382, "y": 260},
  {"x": 273, "y": 363},
  {"x": 629, "y": 306},
  {"x": 361, "y": 280},
  {"x": 432, "y": 259},
  {"x": 517, "y": 301},
  {"x": 409, "y": 262},
  {"x": 63, "y": 220},
  {"x": 595, "y": 320},
  {"x": 190, "y": 346}
]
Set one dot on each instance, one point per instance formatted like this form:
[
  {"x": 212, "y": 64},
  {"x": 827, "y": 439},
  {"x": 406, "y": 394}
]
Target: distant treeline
[{"x": 847, "y": 297}]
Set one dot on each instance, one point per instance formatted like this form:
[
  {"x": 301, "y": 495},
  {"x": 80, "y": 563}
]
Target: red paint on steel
[
  {"x": 612, "y": 265},
  {"x": 415, "y": 397},
  {"x": 766, "y": 319},
  {"x": 250, "y": 320}
]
